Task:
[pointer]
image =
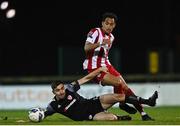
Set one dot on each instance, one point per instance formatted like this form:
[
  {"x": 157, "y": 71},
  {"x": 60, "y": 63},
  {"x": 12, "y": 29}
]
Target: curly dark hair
[{"x": 109, "y": 15}]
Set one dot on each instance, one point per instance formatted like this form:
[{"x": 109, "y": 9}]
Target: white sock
[{"x": 143, "y": 113}]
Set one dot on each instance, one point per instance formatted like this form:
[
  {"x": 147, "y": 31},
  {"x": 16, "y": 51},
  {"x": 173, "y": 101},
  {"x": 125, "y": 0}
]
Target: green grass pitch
[{"x": 163, "y": 116}]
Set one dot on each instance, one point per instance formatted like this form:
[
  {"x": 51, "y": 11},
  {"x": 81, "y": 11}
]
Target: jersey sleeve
[
  {"x": 73, "y": 87},
  {"x": 92, "y": 35},
  {"x": 49, "y": 110}
]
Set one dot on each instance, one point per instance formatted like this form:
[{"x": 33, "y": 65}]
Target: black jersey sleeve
[
  {"x": 49, "y": 110},
  {"x": 73, "y": 87}
]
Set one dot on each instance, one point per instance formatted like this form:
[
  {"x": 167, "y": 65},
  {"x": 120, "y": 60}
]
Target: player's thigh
[
  {"x": 109, "y": 100},
  {"x": 123, "y": 82},
  {"x": 110, "y": 79},
  {"x": 105, "y": 116}
]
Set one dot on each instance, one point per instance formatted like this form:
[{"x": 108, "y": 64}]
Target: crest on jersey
[
  {"x": 69, "y": 97},
  {"x": 90, "y": 34},
  {"x": 59, "y": 106}
]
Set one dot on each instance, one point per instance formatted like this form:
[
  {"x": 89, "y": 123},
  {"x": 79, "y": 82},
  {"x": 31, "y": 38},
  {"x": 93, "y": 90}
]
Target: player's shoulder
[
  {"x": 92, "y": 31},
  {"x": 52, "y": 100}
]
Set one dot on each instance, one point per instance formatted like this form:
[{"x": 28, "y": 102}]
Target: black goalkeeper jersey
[{"x": 75, "y": 106}]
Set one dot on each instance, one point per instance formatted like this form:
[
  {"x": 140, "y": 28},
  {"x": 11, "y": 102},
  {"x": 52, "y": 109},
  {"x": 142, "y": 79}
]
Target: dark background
[{"x": 30, "y": 42}]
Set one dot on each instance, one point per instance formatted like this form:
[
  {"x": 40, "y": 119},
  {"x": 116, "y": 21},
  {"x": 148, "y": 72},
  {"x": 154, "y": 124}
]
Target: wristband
[{"x": 76, "y": 86}]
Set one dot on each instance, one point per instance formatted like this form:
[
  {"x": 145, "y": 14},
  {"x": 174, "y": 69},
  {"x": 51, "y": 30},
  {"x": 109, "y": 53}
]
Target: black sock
[
  {"x": 131, "y": 99},
  {"x": 136, "y": 100},
  {"x": 124, "y": 117},
  {"x": 143, "y": 101}
]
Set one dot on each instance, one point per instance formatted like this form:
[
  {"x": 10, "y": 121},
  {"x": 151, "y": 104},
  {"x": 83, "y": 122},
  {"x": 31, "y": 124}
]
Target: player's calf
[{"x": 127, "y": 108}]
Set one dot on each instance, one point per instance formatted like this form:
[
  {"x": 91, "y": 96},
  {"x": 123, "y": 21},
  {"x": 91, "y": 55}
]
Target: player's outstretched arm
[
  {"x": 49, "y": 110},
  {"x": 91, "y": 75},
  {"x": 75, "y": 85}
]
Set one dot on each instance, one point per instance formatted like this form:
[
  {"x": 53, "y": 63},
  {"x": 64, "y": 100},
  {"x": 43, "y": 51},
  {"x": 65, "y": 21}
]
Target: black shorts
[
  {"x": 93, "y": 107},
  {"x": 85, "y": 109}
]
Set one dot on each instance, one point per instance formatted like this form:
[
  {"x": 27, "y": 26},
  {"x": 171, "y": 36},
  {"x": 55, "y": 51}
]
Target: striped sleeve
[{"x": 92, "y": 35}]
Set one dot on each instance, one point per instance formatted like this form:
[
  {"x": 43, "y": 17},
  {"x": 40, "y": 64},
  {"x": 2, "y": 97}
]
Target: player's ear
[
  {"x": 114, "y": 25},
  {"x": 102, "y": 23}
]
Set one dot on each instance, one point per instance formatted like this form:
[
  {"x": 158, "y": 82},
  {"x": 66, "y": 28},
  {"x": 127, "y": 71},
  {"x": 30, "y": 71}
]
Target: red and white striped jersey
[{"x": 99, "y": 56}]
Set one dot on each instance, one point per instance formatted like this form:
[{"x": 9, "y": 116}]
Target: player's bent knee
[{"x": 120, "y": 97}]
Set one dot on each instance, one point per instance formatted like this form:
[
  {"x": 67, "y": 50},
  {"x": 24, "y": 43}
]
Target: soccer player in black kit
[{"x": 70, "y": 104}]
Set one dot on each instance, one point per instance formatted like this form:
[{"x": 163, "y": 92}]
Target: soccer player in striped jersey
[{"x": 98, "y": 43}]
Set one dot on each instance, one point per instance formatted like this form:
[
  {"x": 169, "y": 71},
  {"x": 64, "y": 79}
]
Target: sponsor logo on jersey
[{"x": 70, "y": 104}]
